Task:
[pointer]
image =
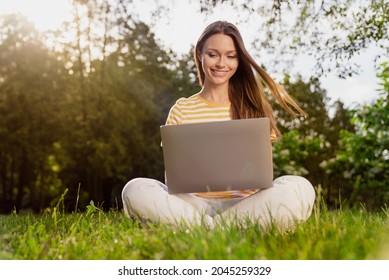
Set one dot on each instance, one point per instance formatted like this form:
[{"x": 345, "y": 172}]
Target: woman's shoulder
[
  {"x": 182, "y": 105},
  {"x": 187, "y": 101}
]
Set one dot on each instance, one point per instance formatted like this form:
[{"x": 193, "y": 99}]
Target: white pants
[{"x": 289, "y": 200}]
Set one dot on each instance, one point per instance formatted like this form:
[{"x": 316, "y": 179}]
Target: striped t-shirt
[{"x": 195, "y": 109}]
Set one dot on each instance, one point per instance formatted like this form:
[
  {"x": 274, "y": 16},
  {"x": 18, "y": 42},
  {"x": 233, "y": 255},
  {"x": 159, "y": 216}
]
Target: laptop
[{"x": 217, "y": 156}]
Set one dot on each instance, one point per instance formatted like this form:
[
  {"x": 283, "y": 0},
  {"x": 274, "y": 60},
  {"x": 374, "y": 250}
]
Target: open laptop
[{"x": 217, "y": 156}]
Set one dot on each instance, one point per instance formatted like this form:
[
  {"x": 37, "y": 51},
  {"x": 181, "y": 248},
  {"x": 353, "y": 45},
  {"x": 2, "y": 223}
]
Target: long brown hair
[{"x": 245, "y": 91}]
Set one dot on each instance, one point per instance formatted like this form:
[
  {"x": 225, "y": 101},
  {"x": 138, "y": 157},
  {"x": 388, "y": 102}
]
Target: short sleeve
[{"x": 175, "y": 115}]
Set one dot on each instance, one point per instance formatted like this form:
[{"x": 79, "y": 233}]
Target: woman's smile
[{"x": 219, "y": 73}]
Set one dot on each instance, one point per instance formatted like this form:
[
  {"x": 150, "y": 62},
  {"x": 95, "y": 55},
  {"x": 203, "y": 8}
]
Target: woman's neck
[{"x": 215, "y": 94}]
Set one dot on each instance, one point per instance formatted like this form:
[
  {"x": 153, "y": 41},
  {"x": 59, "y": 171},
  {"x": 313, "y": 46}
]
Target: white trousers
[{"x": 290, "y": 200}]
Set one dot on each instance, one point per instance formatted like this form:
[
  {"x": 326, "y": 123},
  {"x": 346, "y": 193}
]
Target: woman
[{"x": 230, "y": 90}]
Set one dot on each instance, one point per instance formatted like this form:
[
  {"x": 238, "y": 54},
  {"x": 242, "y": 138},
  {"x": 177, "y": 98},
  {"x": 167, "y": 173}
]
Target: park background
[{"x": 81, "y": 103}]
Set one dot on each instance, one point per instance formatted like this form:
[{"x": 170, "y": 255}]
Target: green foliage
[
  {"x": 331, "y": 31},
  {"x": 308, "y": 143},
  {"x": 31, "y": 90},
  {"x": 384, "y": 76},
  {"x": 71, "y": 119},
  {"x": 294, "y": 154},
  {"x": 364, "y": 155}
]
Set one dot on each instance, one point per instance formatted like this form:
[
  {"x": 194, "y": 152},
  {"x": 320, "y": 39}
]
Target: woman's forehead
[{"x": 220, "y": 42}]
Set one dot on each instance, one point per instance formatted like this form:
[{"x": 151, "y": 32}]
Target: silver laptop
[{"x": 217, "y": 156}]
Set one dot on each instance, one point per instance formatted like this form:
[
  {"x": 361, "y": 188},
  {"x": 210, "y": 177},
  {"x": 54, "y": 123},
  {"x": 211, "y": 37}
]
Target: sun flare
[{"x": 44, "y": 14}]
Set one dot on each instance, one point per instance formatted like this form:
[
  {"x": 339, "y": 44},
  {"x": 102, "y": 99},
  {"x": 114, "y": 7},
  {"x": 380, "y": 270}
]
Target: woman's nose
[{"x": 220, "y": 62}]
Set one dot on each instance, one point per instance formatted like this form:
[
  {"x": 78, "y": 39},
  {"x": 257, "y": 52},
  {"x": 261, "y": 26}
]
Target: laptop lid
[{"x": 217, "y": 156}]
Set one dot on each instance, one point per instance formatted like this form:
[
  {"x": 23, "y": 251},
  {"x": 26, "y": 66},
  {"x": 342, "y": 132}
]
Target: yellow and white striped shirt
[{"x": 195, "y": 109}]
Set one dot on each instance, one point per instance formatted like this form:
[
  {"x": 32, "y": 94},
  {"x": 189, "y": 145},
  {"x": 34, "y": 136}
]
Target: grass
[{"x": 94, "y": 234}]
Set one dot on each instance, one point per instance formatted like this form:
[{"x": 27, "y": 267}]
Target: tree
[
  {"x": 118, "y": 100},
  {"x": 364, "y": 155},
  {"x": 313, "y": 99},
  {"x": 304, "y": 143},
  {"x": 331, "y": 31},
  {"x": 31, "y": 91},
  {"x": 84, "y": 114}
]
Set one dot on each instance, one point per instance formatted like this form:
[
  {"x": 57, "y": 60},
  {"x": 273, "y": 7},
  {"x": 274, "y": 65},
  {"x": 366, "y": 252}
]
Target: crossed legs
[{"x": 289, "y": 200}]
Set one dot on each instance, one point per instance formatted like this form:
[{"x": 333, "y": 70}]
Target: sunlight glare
[{"x": 45, "y": 14}]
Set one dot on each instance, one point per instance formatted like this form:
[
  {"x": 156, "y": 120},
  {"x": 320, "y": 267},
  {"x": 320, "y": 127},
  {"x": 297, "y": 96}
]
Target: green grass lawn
[{"x": 93, "y": 234}]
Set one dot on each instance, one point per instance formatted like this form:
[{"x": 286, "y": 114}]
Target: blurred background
[{"x": 85, "y": 85}]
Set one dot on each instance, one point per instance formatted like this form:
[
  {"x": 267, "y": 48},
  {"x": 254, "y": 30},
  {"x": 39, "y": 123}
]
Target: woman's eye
[
  {"x": 212, "y": 55},
  {"x": 231, "y": 56}
]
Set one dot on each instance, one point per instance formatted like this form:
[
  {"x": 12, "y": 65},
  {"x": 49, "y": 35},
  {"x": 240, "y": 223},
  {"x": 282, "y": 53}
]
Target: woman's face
[{"x": 219, "y": 59}]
